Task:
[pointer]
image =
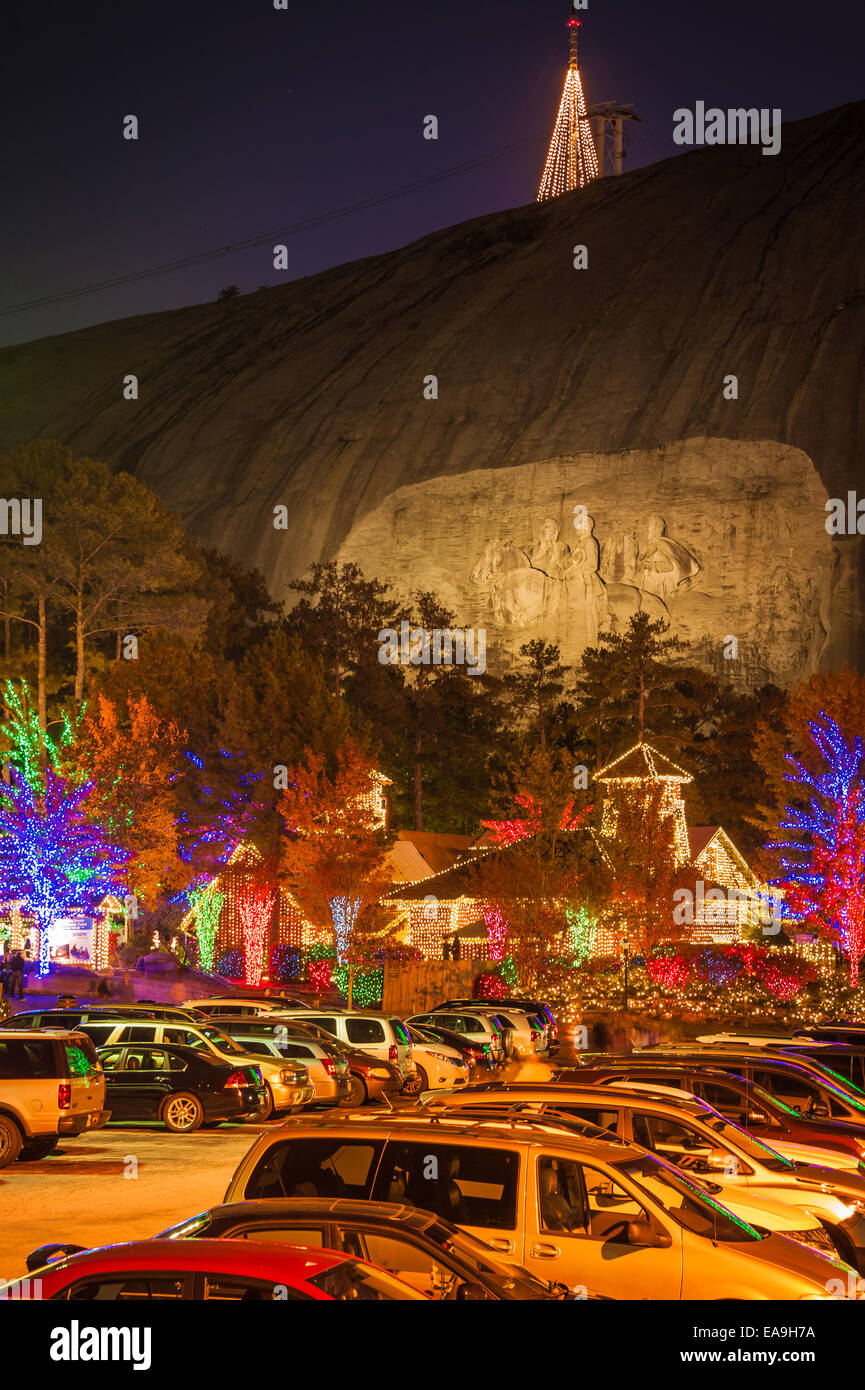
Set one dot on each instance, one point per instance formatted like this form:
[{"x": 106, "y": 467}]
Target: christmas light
[
  {"x": 497, "y": 930},
  {"x": 52, "y": 859},
  {"x": 205, "y": 908},
  {"x": 344, "y": 913},
  {"x": 572, "y": 159},
  {"x": 256, "y": 907},
  {"x": 582, "y": 929},
  {"x": 825, "y": 882}
]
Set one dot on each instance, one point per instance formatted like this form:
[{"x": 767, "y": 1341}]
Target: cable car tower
[{"x": 572, "y": 160}]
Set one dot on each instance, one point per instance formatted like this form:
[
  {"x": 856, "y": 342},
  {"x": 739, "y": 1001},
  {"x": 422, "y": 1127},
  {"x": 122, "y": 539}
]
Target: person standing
[{"x": 16, "y": 976}]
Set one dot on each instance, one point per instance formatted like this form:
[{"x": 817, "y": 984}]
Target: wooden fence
[{"x": 411, "y": 988}]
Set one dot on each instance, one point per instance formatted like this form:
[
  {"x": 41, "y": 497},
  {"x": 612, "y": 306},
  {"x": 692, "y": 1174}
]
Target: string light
[
  {"x": 256, "y": 907},
  {"x": 825, "y": 882},
  {"x": 205, "y": 909},
  {"x": 52, "y": 859},
  {"x": 572, "y": 160}
]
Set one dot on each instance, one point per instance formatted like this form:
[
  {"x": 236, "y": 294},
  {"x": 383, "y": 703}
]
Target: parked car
[
  {"x": 834, "y": 1032},
  {"x": 532, "y": 1006},
  {"x": 287, "y": 1085},
  {"x": 327, "y": 1069},
  {"x": 73, "y": 1017},
  {"x": 845, "y": 1059},
  {"x": 51, "y": 1085},
  {"x": 240, "y": 1006},
  {"x": 476, "y": 1054},
  {"x": 477, "y": 1026},
  {"x": 820, "y": 1207},
  {"x": 438, "y": 1066},
  {"x": 836, "y": 1143},
  {"x": 227, "y": 1271},
  {"x": 588, "y": 1212},
  {"x": 431, "y": 1254},
  {"x": 369, "y": 1079},
  {"x": 529, "y": 1034},
  {"x": 379, "y": 1035},
  {"x": 182, "y": 1087},
  {"x": 802, "y": 1084}
]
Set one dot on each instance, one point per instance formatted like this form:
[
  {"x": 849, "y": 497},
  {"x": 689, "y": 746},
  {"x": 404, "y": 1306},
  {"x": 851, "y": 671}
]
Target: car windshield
[
  {"x": 219, "y": 1039},
  {"x": 687, "y": 1203},
  {"x": 754, "y": 1148}
]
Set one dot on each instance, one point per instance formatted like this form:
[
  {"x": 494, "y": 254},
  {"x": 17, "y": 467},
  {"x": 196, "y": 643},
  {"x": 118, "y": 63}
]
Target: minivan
[{"x": 588, "y": 1212}]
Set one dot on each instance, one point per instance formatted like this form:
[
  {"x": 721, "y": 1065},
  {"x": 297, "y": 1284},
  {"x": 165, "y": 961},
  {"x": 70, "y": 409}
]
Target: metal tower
[{"x": 572, "y": 160}]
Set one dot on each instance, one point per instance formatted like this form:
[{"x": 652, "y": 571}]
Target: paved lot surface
[{"x": 82, "y": 1193}]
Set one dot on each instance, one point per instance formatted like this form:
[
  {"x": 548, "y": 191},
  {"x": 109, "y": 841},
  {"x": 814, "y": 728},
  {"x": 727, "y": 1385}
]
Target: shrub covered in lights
[
  {"x": 230, "y": 964},
  {"x": 490, "y": 985},
  {"x": 366, "y": 989},
  {"x": 670, "y": 972},
  {"x": 784, "y": 976},
  {"x": 286, "y": 963},
  {"x": 717, "y": 968}
]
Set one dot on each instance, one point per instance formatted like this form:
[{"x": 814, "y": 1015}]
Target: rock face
[{"x": 557, "y": 388}]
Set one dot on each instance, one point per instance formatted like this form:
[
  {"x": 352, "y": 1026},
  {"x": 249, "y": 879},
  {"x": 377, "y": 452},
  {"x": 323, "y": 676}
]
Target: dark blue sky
[{"x": 253, "y": 118}]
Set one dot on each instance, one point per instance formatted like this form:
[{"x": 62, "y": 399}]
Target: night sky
[{"x": 253, "y": 118}]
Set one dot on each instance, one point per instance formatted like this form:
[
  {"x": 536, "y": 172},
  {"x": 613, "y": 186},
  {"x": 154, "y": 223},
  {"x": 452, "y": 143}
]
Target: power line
[{"x": 292, "y": 229}]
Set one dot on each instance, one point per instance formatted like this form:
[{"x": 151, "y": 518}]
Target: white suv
[{"x": 379, "y": 1035}]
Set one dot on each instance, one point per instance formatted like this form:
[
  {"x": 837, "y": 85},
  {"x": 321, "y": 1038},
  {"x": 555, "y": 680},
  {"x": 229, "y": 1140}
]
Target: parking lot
[{"x": 121, "y": 1183}]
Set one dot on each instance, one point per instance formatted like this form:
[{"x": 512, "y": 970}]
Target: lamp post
[{"x": 626, "y": 956}]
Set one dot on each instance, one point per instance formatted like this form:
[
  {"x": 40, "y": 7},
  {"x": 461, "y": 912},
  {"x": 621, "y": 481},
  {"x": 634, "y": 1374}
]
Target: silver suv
[{"x": 379, "y": 1035}]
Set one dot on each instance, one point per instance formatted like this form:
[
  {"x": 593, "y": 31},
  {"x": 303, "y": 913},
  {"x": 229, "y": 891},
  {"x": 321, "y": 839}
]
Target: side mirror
[
  {"x": 470, "y": 1293},
  {"x": 644, "y": 1236},
  {"x": 758, "y": 1117}
]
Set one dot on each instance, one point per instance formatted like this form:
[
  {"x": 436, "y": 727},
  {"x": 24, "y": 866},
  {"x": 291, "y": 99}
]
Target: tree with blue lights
[
  {"x": 53, "y": 859},
  {"x": 824, "y": 875}
]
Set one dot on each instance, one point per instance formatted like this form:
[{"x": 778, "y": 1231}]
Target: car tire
[
  {"x": 10, "y": 1141},
  {"x": 33, "y": 1149},
  {"x": 357, "y": 1096},
  {"x": 182, "y": 1113},
  {"x": 417, "y": 1083},
  {"x": 267, "y": 1110}
]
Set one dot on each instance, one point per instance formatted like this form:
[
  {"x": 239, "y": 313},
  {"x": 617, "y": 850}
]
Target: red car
[{"x": 230, "y": 1271}]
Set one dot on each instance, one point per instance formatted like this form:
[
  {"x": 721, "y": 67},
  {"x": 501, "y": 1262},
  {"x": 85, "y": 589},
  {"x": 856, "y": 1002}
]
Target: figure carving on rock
[
  {"x": 550, "y": 554},
  {"x": 665, "y": 566},
  {"x": 621, "y": 563},
  {"x": 586, "y": 594}
]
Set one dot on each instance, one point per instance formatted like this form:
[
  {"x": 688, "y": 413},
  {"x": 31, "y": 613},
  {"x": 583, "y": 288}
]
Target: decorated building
[{"x": 721, "y": 899}]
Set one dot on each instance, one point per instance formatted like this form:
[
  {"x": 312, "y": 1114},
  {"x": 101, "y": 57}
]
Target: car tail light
[
  {"x": 393, "y": 1053},
  {"x": 64, "y": 1095},
  {"x": 237, "y": 1079},
  {"x": 330, "y": 1066}
]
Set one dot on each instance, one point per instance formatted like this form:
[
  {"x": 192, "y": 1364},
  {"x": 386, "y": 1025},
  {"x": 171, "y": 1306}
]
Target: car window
[
  {"x": 787, "y": 1084},
  {"x": 175, "y": 1063},
  {"x": 145, "y": 1059},
  {"x": 110, "y": 1058},
  {"x": 356, "y": 1283},
  {"x": 604, "y": 1119},
  {"x": 399, "y": 1031},
  {"x": 407, "y": 1261},
  {"x": 141, "y": 1032},
  {"x": 80, "y": 1057},
  {"x": 293, "y": 1049},
  {"x": 19, "y": 1057},
  {"x": 472, "y": 1025},
  {"x": 99, "y": 1033},
  {"x": 124, "y": 1288},
  {"x": 689, "y": 1148},
  {"x": 234, "y": 1288},
  {"x": 468, "y": 1186},
  {"x": 281, "y": 1235},
  {"x": 329, "y": 1024},
  {"x": 364, "y": 1030},
  {"x": 320, "y": 1167},
  {"x": 258, "y": 1047}
]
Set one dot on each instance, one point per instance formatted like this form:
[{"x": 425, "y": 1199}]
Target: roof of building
[
  {"x": 642, "y": 761},
  {"x": 416, "y": 854}
]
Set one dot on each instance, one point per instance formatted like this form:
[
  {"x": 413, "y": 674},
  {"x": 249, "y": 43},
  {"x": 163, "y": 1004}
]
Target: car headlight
[
  {"x": 381, "y": 1072},
  {"x": 856, "y": 1207},
  {"x": 291, "y": 1078},
  {"x": 440, "y": 1056}
]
